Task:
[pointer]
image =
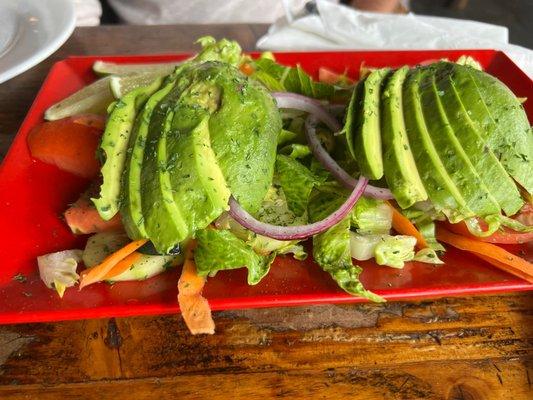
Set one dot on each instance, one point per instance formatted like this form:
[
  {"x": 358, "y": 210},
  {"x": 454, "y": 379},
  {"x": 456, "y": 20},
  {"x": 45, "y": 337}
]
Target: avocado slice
[
  {"x": 491, "y": 171},
  {"x": 501, "y": 120},
  {"x": 400, "y": 169},
  {"x": 163, "y": 220},
  {"x": 114, "y": 146},
  {"x": 244, "y": 133},
  {"x": 131, "y": 206},
  {"x": 196, "y": 178},
  {"x": 441, "y": 190},
  {"x": 363, "y": 125},
  {"x": 453, "y": 156}
]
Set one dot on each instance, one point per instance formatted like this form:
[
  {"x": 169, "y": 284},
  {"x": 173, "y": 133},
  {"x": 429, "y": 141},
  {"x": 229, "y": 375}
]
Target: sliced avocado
[
  {"x": 500, "y": 119},
  {"x": 401, "y": 172},
  {"x": 215, "y": 129},
  {"x": 114, "y": 146},
  {"x": 163, "y": 220},
  {"x": 352, "y": 114},
  {"x": 198, "y": 185},
  {"x": 131, "y": 206},
  {"x": 440, "y": 188},
  {"x": 365, "y": 133},
  {"x": 513, "y": 130},
  {"x": 453, "y": 156},
  {"x": 491, "y": 171},
  {"x": 244, "y": 133}
]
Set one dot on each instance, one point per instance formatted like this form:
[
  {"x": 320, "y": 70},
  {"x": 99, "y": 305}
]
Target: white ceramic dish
[{"x": 31, "y": 30}]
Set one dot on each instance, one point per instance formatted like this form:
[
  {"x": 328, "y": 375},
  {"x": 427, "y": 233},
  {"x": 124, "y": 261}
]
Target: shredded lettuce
[
  {"x": 393, "y": 251},
  {"x": 371, "y": 216},
  {"x": 362, "y": 247},
  {"x": 331, "y": 249},
  {"x": 222, "y": 250}
]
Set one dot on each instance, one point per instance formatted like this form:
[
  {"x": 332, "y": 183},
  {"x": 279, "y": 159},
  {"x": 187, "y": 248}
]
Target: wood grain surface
[{"x": 455, "y": 349}]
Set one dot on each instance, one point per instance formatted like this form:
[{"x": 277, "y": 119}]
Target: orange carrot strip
[
  {"x": 194, "y": 307},
  {"x": 489, "y": 252},
  {"x": 123, "y": 265},
  {"x": 402, "y": 225},
  {"x": 98, "y": 272},
  {"x": 507, "y": 268},
  {"x": 246, "y": 69}
]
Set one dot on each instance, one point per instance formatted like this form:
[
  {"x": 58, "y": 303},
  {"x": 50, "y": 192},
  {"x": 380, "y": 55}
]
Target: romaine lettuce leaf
[
  {"x": 371, "y": 216},
  {"x": 278, "y": 77},
  {"x": 221, "y": 250},
  {"x": 296, "y": 180},
  {"x": 296, "y": 150},
  {"x": 393, "y": 251},
  {"x": 331, "y": 249}
]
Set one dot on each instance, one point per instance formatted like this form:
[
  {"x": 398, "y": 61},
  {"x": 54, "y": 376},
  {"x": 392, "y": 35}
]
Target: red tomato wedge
[
  {"x": 92, "y": 120},
  {"x": 69, "y": 145},
  {"x": 325, "y": 75},
  {"x": 82, "y": 216},
  {"x": 504, "y": 235}
]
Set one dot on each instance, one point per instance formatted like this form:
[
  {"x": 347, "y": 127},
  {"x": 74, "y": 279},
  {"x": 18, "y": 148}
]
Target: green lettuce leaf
[
  {"x": 296, "y": 150},
  {"x": 371, "y": 216},
  {"x": 331, "y": 249},
  {"x": 296, "y": 180},
  {"x": 393, "y": 251},
  {"x": 221, "y": 250},
  {"x": 277, "y": 77}
]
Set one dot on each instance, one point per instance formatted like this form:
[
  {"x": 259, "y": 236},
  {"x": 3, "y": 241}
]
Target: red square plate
[{"x": 33, "y": 196}]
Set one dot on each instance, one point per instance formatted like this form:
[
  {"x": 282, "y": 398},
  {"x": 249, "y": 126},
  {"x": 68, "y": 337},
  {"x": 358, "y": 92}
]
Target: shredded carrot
[
  {"x": 98, "y": 272},
  {"x": 491, "y": 253},
  {"x": 123, "y": 265},
  {"x": 194, "y": 307},
  {"x": 402, "y": 225},
  {"x": 246, "y": 69}
]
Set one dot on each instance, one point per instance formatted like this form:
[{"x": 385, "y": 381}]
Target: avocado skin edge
[
  {"x": 399, "y": 165},
  {"x": 490, "y": 170},
  {"x": 452, "y": 154},
  {"x": 441, "y": 190}
]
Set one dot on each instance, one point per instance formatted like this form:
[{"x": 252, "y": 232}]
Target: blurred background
[{"x": 516, "y": 15}]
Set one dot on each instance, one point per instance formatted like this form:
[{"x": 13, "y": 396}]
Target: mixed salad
[{"x": 223, "y": 162}]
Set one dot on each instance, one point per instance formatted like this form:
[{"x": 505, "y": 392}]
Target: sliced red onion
[
  {"x": 335, "y": 169},
  {"x": 300, "y": 231},
  {"x": 307, "y": 104}
]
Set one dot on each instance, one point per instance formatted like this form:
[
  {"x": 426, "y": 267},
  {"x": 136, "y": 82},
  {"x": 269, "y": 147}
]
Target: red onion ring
[
  {"x": 331, "y": 165},
  {"x": 307, "y": 104},
  {"x": 240, "y": 215}
]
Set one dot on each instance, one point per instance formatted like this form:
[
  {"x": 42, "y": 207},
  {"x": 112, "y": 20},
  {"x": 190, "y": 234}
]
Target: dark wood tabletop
[{"x": 453, "y": 348}]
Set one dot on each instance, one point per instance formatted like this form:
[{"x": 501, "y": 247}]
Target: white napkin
[
  {"x": 336, "y": 26},
  {"x": 88, "y": 12}
]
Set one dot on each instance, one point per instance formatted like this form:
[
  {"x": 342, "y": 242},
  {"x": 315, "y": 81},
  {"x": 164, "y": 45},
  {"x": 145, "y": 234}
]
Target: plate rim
[{"x": 43, "y": 52}]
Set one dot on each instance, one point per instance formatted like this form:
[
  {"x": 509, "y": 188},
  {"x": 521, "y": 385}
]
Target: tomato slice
[
  {"x": 504, "y": 235},
  {"x": 325, "y": 75},
  {"x": 68, "y": 144}
]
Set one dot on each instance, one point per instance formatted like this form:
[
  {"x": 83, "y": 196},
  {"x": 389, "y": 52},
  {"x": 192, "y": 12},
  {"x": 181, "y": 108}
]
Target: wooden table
[{"x": 457, "y": 348}]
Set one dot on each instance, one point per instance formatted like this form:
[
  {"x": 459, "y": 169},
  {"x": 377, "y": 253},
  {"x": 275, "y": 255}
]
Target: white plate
[{"x": 31, "y": 30}]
